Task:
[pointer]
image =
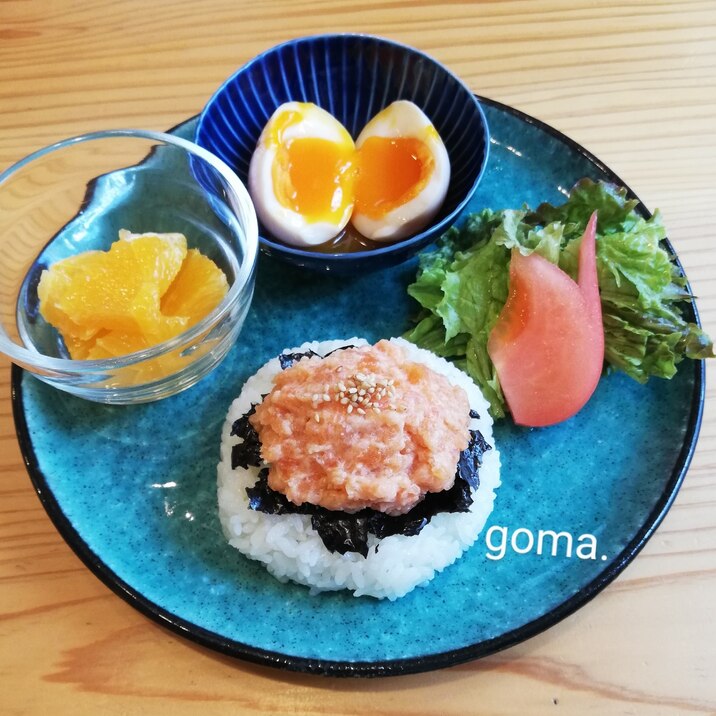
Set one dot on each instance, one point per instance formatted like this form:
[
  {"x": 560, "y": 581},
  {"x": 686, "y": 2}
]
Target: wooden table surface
[{"x": 635, "y": 83}]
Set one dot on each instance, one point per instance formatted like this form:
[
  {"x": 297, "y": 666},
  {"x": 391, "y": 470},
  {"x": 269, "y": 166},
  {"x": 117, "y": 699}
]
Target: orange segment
[
  {"x": 116, "y": 343},
  {"x": 61, "y": 283},
  {"x": 146, "y": 289},
  {"x": 146, "y": 313},
  {"x": 156, "y": 256},
  {"x": 97, "y": 290},
  {"x": 197, "y": 290},
  {"x": 79, "y": 348}
]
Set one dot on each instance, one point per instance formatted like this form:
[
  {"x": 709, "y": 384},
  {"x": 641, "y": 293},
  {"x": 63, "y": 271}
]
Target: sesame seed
[
  {"x": 360, "y": 391},
  {"x": 317, "y": 417}
]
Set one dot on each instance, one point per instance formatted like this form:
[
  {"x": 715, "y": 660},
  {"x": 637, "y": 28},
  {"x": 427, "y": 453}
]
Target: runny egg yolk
[
  {"x": 391, "y": 172},
  {"x": 308, "y": 178},
  {"x": 311, "y": 175},
  {"x": 314, "y": 177}
]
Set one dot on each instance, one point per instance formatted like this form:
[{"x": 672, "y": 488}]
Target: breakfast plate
[{"x": 132, "y": 489}]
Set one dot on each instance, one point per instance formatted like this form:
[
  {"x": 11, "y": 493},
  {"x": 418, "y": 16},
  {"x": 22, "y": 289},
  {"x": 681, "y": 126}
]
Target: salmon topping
[{"x": 363, "y": 427}]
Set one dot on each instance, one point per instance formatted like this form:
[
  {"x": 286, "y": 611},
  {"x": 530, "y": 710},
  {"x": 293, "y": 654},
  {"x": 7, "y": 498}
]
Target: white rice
[{"x": 290, "y": 548}]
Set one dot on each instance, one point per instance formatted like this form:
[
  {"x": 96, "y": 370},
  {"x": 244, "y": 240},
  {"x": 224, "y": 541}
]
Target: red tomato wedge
[{"x": 548, "y": 342}]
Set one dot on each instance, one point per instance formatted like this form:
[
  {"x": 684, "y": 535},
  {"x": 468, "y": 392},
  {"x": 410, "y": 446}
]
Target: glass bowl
[
  {"x": 75, "y": 196},
  {"x": 352, "y": 76}
]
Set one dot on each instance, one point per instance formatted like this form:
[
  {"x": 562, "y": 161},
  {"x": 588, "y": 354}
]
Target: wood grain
[{"x": 634, "y": 82}]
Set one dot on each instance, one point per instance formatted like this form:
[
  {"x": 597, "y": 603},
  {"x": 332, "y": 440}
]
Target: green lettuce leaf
[
  {"x": 463, "y": 284},
  {"x": 642, "y": 288},
  {"x": 515, "y": 233}
]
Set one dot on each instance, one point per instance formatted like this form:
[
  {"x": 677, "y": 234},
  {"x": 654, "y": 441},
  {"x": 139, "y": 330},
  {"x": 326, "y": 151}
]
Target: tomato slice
[{"x": 548, "y": 342}]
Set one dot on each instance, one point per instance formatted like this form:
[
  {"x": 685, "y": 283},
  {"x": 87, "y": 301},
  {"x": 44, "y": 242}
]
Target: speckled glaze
[
  {"x": 353, "y": 77},
  {"x": 132, "y": 489}
]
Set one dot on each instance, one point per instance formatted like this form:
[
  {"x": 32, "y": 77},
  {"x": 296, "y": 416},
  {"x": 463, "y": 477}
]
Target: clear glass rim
[{"x": 237, "y": 290}]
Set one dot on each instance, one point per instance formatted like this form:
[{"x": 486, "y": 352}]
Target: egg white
[
  {"x": 406, "y": 119},
  {"x": 281, "y": 221}
]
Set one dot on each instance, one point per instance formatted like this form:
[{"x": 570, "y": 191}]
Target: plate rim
[{"x": 389, "y": 667}]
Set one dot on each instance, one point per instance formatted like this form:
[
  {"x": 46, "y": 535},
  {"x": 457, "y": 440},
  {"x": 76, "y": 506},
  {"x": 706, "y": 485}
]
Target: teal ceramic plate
[{"x": 132, "y": 489}]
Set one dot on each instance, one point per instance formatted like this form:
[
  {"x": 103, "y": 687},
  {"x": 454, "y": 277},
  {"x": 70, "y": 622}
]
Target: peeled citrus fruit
[
  {"x": 197, "y": 289},
  {"x": 146, "y": 289}
]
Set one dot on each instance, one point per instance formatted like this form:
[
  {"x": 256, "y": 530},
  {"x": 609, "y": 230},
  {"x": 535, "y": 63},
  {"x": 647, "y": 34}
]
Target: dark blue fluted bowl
[{"x": 353, "y": 77}]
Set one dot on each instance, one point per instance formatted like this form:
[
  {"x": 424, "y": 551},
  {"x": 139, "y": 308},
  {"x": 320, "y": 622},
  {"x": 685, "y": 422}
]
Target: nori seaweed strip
[
  {"x": 249, "y": 451},
  {"x": 263, "y": 499},
  {"x": 340, "y": 348},
  {"x": 239, "y": 425},
  {"x": 474, "y": 414},
  {"x": 341, "y": 532},
  {"x": 286, "y": 360},
  {"x": 344, "y": 532},
  {"x": 471, "y": 459}
]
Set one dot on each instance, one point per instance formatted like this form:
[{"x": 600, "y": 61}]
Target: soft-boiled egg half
[
  {"x": 307, "y": 179},
  {"x": 403, "y": 173},
  {"x": 302, "y": 173}
]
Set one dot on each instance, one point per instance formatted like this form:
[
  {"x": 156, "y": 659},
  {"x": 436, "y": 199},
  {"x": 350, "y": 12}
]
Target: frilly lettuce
[{"x": 463, "y": 284}]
